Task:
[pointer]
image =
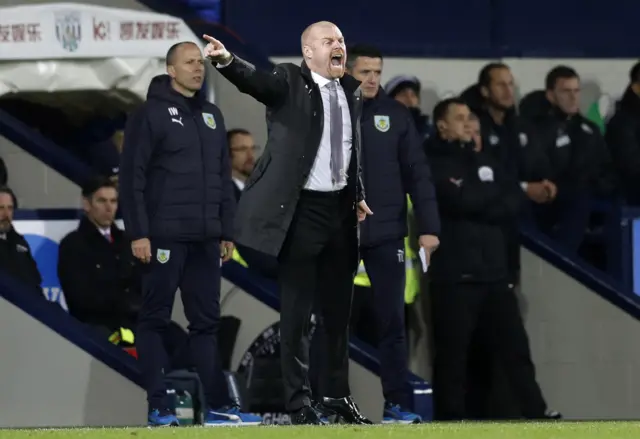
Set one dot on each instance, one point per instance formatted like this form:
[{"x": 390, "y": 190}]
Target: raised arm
[{"x": 270, "y": 88}]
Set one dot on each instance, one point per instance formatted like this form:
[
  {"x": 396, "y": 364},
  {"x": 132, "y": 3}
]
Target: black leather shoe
[
  {"x": 345, "y": 410},
  {"x": 326, "y": 415},
  {"x": 306, "y": 416}
]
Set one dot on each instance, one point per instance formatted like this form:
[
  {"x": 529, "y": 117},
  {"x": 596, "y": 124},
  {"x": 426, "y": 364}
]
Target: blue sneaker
[
  {"x": 162, "y": 418},
  {"x": 230, "y": 416},
  {"x": 394, "y": 414}
]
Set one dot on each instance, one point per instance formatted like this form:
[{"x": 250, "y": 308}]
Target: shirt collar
[
  {"x": 239, "y": 183},
  {"x": 321, "y": 80}
]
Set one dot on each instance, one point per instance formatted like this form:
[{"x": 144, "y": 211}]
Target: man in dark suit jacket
[
  {"x": 15, "y": 254},
  {"x": 100, "y": 277},
  {"x": 242, "y": 149},
  {"x": 302, "y": 204},
  {"x": 97, "y": 271}
]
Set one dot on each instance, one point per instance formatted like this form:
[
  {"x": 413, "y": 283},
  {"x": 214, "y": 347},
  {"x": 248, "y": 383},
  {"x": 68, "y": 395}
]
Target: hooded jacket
[
  {"x": 394, "y": 165},
  {"x": 175, "y": 174},
  {"x": 578, "y": 157},
  {"x": 513, "y": 143},
  {"x": 623, "y": 140},
  {"x": 476, "y": 198}
]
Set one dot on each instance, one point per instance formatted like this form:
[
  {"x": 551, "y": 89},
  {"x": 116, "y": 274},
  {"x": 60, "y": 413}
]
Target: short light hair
[{"x": 171, "y": 53}]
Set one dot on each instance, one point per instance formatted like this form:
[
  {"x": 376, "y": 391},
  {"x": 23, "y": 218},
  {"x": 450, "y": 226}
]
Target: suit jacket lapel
[{"x": 353, "y": 94}]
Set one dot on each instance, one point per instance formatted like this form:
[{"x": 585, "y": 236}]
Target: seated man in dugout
[
  {"x": 99, "y": 276},
  {"x": 15, "y": 255}
]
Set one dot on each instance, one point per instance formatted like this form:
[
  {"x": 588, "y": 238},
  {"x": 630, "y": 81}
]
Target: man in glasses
[{"x": 242, "y": 149}]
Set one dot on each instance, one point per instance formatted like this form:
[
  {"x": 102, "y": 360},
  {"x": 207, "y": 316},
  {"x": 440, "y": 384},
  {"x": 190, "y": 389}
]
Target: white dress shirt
[
  {"x": 239, "y": 183},
  {"x": 320, "y": 175},
  {"x": 106, "y": 232}
]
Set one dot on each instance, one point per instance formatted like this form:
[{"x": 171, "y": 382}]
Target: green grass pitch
[{"x": 545, "y": 430}]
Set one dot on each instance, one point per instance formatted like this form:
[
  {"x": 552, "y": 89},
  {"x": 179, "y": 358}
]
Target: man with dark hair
[
  {"x": 15, "y": 254},
  {"x": 178, "y": 205},
  {"x": 242, "y": 149},
  {"x": 470, "y": 292},
  {"x": 509, "y": 137},
  {"x": 510, "y": 140},
  {"x": 623, "y": 138},
  {"x": 100, "y": 277},
  {"x": 394, "y": 165},
  {"x": 578, "y": 156},
  {"x": 97, "y": 272}
]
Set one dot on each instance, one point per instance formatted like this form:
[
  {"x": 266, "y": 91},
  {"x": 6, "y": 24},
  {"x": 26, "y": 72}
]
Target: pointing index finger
[{"x": 210, "y": 39}]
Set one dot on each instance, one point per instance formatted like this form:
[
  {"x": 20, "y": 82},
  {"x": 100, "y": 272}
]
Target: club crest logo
[
  {"x": 68, "y": 31},
  {"x": 209, "y": 120},
  {"x": 485, "y": 174},
  {"x": 382, "y": 123},
  {"x": 163, "y": 256}
]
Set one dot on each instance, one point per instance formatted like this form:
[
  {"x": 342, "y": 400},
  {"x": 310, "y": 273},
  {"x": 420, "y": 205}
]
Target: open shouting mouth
[{"x": 336, "y": 59}]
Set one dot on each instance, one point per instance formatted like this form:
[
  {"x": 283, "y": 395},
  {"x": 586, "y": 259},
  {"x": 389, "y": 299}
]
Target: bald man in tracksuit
[{"x": 178, "y": 206}]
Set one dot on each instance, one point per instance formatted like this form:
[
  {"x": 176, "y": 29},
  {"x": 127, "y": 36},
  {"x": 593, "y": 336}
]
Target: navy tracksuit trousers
[
  {"x": 194, "y": 267},
  {"x": 385, "y": 266}
]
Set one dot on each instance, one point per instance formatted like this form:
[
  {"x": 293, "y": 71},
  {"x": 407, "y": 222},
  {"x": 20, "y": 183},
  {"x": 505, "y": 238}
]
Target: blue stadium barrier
[
  {"x": 605, "y": 286},
  {"x": 625, "y": 238},
  {"x": 56, "y": 319}
]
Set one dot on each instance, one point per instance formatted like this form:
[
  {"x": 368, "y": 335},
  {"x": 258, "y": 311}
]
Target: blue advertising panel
[{"x": 635, "y": 251}]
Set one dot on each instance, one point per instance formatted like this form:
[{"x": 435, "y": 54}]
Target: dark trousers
[
  {"x": 194, "y": 268},
  {"x": 261, "y": 263},
  {"x": 459, "y": 313},
  {"x": 385, "y": 266},
  {"x": 382, "y": 310},
  {"x": 317, "y": 265}
]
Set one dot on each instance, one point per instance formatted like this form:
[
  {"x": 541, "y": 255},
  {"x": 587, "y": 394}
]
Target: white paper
[{"x": 423, "y": 259}]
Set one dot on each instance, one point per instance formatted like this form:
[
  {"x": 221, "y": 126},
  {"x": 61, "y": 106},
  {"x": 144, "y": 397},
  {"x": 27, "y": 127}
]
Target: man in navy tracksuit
[
  {"x": 394, "y": 165},
  {"x": 178, "y": 206}
]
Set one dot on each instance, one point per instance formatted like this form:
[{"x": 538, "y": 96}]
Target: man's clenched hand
[
  {"x": 226, "y": 250},
  {"x": 430, "y": 244},
  {"x": 141, "y": 249}
]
